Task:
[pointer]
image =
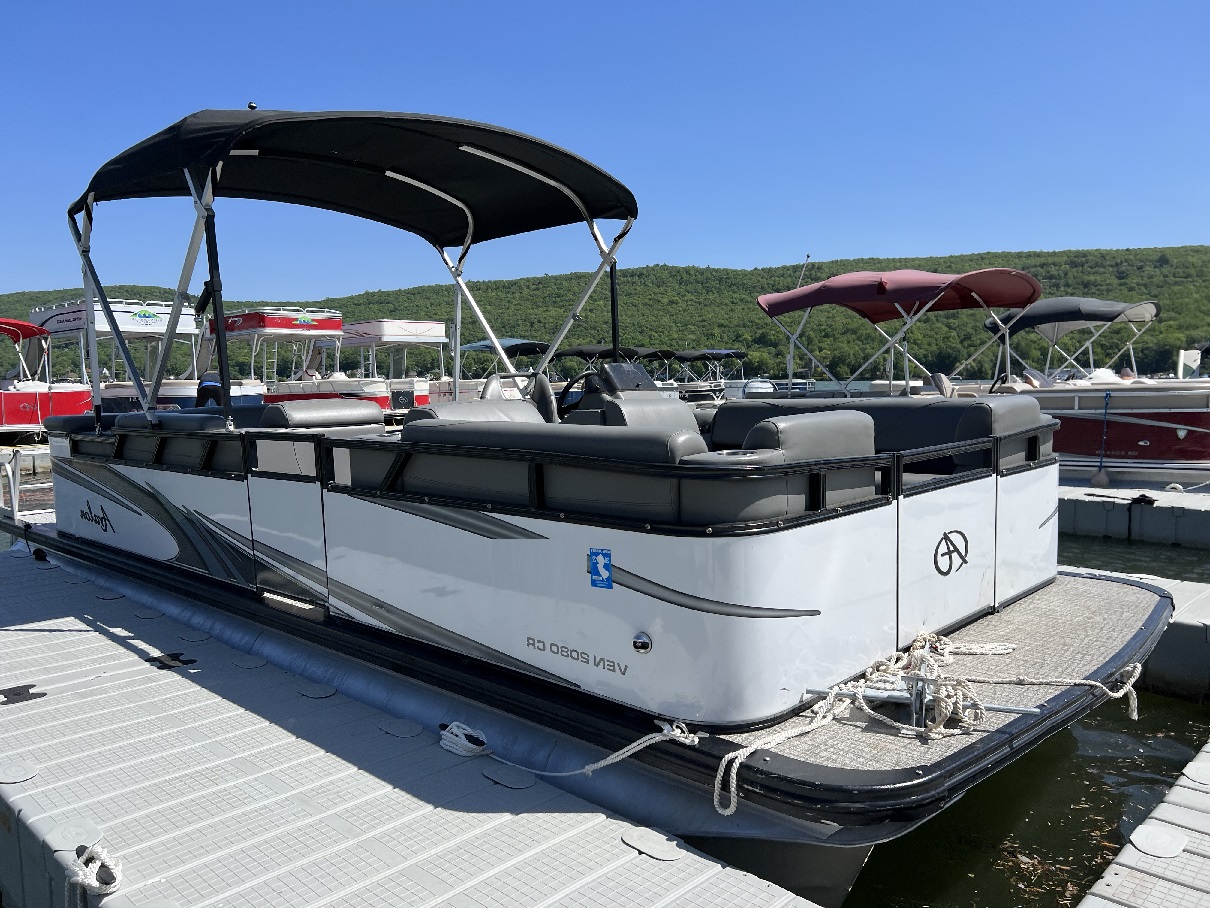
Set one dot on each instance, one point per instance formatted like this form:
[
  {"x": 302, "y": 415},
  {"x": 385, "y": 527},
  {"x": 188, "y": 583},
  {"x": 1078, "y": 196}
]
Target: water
[{"x": 1041, "y": 831}]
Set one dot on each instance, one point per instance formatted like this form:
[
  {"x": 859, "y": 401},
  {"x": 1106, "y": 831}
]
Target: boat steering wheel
[
  {"x": 561, "y": 405},
  {"x": 997, "y": 382}
]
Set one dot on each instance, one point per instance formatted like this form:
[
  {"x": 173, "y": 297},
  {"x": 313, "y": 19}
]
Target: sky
[{"x": 751, "y": 133}]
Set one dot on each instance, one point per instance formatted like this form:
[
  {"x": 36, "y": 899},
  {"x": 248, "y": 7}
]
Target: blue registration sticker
[{"x": 600, "y": 569}]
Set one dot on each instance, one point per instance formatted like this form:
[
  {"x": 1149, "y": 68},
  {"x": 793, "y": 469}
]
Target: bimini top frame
[
  {"x": 883, "y": 296},
  {"x": 1057, "y": 317},
  {"x": 452, "y": 182}
]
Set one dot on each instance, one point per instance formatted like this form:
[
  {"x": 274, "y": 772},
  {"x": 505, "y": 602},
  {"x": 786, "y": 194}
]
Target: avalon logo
[
  {"x": 951, "y": 553},
  {"x": 100, "y": 520}
]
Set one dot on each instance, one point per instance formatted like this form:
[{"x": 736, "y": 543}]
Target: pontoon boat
[{"x": 597, "y": 565}]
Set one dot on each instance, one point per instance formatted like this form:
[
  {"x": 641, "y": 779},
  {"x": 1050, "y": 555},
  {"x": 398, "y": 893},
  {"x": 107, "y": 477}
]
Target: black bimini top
[
  {"x": 1052, "y": 318},
  {"x": 368, "y": 164},
  {"x": 512, "y": 346}
]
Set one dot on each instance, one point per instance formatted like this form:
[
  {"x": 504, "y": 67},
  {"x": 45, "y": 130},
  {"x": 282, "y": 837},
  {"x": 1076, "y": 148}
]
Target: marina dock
[
  {"x": 218, "y": 777},
  {"x": 1139, "y": 515},
  {"x": 1166, "y": 863}
]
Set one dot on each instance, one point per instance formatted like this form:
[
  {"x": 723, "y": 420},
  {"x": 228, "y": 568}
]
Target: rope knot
[{"x": 94, "y": 871}]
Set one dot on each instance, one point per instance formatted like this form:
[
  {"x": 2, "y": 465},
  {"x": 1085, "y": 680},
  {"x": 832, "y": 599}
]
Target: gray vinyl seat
[
  {"x": 490, "y": 410},
  {"x": 908, "y": 423}
]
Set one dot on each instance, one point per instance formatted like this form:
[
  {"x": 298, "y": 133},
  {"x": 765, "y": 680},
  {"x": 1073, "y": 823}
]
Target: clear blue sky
[{"x": 751, "y": 133}]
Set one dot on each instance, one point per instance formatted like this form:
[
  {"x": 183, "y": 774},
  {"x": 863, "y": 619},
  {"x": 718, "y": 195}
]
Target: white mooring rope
[
  {"x": 83, "y": 876},
  {"x": 469, "y": 742},
  {"x": 950, "y": 698}
]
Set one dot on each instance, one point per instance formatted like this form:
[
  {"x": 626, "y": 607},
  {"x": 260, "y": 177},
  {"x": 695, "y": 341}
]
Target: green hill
[{"x": 696, "y": 307}]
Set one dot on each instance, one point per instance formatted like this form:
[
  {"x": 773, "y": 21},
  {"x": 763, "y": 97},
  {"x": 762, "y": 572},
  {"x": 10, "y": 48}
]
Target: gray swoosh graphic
[
  {"x": 623, "y": 577},
  {"x": 460, "y": 518}
]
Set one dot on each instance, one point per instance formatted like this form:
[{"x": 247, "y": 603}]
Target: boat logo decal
[
  {"x": 100, "y": 520},
  {"x": 1181, "y": 433},
  {"x": 600, "y": 568},
  {"x": 950, "y": 554},
  {"x": 304, "y": 320},
  {"x": 145, "y": 317}
]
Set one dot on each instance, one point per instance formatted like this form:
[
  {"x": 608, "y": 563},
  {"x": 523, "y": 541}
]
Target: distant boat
[{"x": 29, "y": 394}]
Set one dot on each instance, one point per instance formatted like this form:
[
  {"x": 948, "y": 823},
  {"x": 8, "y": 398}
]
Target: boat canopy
[
  {"x": 653, "y": 353},
  {"x": 513, "y": 346},
  {"x": 449, "y": 181},
  {"x": 1055, "y": 317},
  {"x": 881, "y": 296},
  {"x": 18, "y": 331},
  {"x": 701, "y": 356},
  {"x": 595, "y": 351},
  {"x": 388, "y": 332}
]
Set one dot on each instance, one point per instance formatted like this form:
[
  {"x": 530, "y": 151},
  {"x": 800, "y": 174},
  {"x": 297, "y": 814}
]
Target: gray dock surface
[
  {"x": 220, "y": 779},
  {"x": 1166, "y": 863},
  {"x": 1141, "y": 515}
]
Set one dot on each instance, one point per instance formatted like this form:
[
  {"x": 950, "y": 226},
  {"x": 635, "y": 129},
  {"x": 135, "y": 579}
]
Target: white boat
[
  {"x": 600, "y": 563},
  {"x": 30, "y": 393},
  {"x": 1137, "y": 429},
  {"x": 308, "y": 334},
  {"x": 395, "y": 337},
  {"x": 142, "y": 324}
]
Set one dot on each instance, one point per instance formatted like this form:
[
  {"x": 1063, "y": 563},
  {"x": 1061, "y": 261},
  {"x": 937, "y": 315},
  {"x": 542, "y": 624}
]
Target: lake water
[{"x": 1041, "y": 831}]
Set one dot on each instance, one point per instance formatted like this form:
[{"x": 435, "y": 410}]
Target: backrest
[
  {"x": 75, "y": 425},
  {"x": 174, "y": 421},
  {"x": 543, "y": 397},
  {"x": 319, "y": 414},
  {"x": 572, "y": 487},
  {"x": 492, "y": 389},
  {"x": 493, "y": 410},
  {"x": 648, "y": 408}
]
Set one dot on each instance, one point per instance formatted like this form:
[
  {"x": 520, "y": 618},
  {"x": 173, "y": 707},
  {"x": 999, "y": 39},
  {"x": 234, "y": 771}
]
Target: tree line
[{"x": 691, "y": 307}]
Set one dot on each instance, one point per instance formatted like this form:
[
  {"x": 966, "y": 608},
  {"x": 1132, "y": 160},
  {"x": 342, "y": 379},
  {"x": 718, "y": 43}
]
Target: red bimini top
[
  {"x": 881, "y": 296},
  {"x": 18, "y": 331}
]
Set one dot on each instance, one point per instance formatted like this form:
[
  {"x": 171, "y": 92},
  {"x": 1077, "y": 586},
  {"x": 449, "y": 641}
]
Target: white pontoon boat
[
  {"x": 303, "y": 332},
  {"x": 598, "y": 564},
  {"x": 1138, "y": 429}
]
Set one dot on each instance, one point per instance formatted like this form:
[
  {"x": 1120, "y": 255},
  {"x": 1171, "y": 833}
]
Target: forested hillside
[{"x": 696, "y": 307}]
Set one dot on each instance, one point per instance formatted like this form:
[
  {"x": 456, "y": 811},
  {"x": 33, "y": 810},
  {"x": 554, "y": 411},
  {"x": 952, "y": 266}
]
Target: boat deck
[
  {"x": 855, "y": 758},
  {"x": 1166, "y": 863},
  {"x": 219, "y": 778}
]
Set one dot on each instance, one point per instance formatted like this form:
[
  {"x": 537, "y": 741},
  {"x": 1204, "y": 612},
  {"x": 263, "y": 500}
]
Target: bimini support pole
[
  {"x": 212, "y": 292},
  {"x": 894, "y": 340},
  {"x": 182, "y": 287},
  {"x": 456, "y": 350},
  {"x": 608, "y": 258},
  {"x": 456, "y": 273},
  {"x": 796, "y": 342},
  {"x": 608, "y": 253},
  {"x": 94, "y": 291}
]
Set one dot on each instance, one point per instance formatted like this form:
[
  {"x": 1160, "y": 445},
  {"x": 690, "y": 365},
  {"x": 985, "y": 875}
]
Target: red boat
[{"x": 25, "y": 400}]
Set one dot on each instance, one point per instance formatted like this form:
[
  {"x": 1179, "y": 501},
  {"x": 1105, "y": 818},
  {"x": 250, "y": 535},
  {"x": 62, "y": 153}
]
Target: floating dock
[
  {"x": 1140, "y": 515},
  {"x": 1166, "y": 863},
  {"x": 217, "y": 777}
]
